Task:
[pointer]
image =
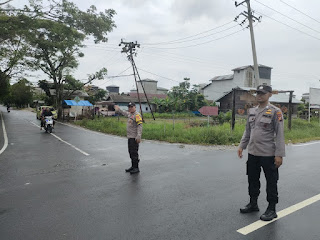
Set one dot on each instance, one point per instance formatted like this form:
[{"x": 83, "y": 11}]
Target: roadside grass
[
  {"x": 196, "y": 131},
  {"x": 303, "y": 131}
]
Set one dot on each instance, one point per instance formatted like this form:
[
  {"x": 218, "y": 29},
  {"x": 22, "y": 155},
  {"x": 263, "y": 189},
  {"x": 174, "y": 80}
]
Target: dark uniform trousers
[
  {"x": 133, "y": 148},
  {"x": 254, "y": 165}
]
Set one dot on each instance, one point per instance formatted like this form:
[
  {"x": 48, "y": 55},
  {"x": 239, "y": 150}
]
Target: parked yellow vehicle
[{"x": 41, "y": 109}]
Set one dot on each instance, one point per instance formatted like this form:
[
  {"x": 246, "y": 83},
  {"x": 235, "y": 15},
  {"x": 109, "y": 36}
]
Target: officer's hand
[
  {"x": 278, "y": 161},
  {"x": 138, "y": 140},
  {"x": 240, "y": 152}
]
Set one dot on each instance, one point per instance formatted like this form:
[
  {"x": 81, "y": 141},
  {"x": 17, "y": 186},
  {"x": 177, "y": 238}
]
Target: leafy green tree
[
  {"x": 21, "y": 93},
  {"x": 95, "y": 95},
  {"x": 13, "y": 48},
  {"x": 55, "y": 37},
  {"x": 181, "y": 98}
]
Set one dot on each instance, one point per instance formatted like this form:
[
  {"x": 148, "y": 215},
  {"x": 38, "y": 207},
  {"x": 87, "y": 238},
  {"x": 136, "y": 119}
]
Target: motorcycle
[{"x": 48, "y": 124}]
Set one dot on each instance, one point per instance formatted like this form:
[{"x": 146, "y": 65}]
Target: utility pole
[
  {"x": 251, "y": 18},
  {"x": 233, "y": 118},
  {"x": 130, "y": 49}
]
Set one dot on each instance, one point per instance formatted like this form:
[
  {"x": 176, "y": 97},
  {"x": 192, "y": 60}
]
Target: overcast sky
[{"x": 290, "y": 46}]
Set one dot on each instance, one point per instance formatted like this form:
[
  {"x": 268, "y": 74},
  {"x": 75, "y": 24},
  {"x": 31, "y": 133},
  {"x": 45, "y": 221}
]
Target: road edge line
[
  {"x": 60, "y": 139},
  {"x": 5, "y": 145}
]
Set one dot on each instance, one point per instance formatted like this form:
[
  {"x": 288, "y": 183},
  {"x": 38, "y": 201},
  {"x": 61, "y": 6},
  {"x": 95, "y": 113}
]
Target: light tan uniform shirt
[
  {"x": 134, "y": 124},
  {"x": 264, "y": 134}
]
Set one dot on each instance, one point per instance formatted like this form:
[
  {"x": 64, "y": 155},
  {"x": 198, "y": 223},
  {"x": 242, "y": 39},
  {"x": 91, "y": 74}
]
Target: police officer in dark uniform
[
  {"x": 134, "y": 132},
  {"x": 264, "y": 137}
]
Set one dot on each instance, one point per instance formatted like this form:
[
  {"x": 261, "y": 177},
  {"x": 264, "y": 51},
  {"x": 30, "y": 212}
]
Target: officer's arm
[
  {"x": 279, "y": 131},
  {"x": 124, "y": 113},
  {"x": 246, "y": 135}
]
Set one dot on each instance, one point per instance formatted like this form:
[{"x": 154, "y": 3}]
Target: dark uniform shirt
[{"x": 264, "y": 134}]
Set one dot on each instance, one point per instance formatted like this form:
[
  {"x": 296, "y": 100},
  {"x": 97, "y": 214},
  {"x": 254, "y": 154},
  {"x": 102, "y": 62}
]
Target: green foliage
[
  {"x": 181, "y": 98},
  {"x": 223, "y": 117},
  {"x": 52, "y": 36},
  {"x": 95, "y": 95},
  {"x": 183, "y": 132},
  {"x": 21, "y": 93}
]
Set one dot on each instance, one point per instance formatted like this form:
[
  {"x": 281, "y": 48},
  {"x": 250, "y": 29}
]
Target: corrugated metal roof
[
  {"x": 276, "y": 98},
  {"x": 80, "y": 103},
  {"x": 223, "y": 77},
  {"x": 245, "y": 67},
  {"x": 148, "y": 80},
  {"x": 282, "y": 98}
]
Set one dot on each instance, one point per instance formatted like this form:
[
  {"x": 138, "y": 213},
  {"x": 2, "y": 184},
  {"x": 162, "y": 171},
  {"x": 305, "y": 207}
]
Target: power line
[
  {"x": 191, "y": 36},
  {"x": 200, "y": 37},
  {"x": 300, "y": 11},
  {"x": 194, "y": 45},
  {"x": 288, "y": 26},
  {"x": 158, "y": 75},
  {"x": 288, "y": 17}
]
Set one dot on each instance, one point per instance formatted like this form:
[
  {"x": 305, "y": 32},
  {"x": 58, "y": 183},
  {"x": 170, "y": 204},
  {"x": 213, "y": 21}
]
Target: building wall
[
  {"x": 145, "y": 107},
  {"x": 149, "y": 87},
  {"x": 244, "y": 100},
  {"x": 162, "y": 91},
  {"x": 217, "y": 88}
]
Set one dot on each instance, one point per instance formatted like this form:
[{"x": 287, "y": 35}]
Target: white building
[
  {"x": 241, "y": 77},
  {"x": 150, "y": 87}
]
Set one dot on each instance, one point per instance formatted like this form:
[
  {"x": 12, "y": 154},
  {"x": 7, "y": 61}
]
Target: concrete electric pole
[
  {"x": 130, "y": 49},
  {"x": 251, "y": 18}
]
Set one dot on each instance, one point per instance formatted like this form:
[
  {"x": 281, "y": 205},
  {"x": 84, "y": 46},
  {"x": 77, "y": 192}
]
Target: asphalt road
[{"x": 72, "y": 185}]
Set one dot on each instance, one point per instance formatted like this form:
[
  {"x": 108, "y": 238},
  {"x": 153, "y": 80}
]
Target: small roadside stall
[{"x": 74, "y": 109}]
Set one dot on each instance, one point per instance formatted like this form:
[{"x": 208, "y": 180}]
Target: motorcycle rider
[
  {"x": 44, "y": 114},
  {"x": 8, "y": 107}
]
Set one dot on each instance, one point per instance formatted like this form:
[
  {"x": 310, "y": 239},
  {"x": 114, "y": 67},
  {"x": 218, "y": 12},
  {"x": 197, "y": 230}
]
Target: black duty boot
[
  {"x": 134, "y": 170},
  {"x": 250, "y": 207},
  {"x": 270, "y": 213},
  {"x": 129, "y": 169}
]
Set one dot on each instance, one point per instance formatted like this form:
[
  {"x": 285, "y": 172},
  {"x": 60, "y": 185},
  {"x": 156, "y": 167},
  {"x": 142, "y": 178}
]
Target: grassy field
[{"x": 196, "y": 131}]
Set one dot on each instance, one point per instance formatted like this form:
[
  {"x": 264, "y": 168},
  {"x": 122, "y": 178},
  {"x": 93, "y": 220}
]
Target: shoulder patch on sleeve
[
  {"x": 138, "y": 119},
  {"x": 279, "y": 116}
]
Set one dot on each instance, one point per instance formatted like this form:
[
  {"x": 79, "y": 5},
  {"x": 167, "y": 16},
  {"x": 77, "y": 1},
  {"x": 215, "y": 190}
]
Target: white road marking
[
  {"x": 305, "y": 144},
  {"x": 5, "y": 145},
  {"x": 60, "y": 139},
  {"x": 91, "y": 131},
  {"x": 83, "y": 152},
  {"x": 259, "y": 224}
]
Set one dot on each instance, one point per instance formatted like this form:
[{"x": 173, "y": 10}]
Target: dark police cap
[
  {"x": 131, "y": 104},
  {"x": 264, "y": 89}
]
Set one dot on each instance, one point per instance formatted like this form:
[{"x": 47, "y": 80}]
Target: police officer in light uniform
[
  {"x": 264, "y": 137},
  {"x": 134, "y": 133}
]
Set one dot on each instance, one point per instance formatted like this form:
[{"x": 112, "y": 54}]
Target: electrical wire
[
  {"x": 205, "y": 35},
  {"x": 288, "y": 26},
  {"x": 300, "y": 11},
  {"x": 194, "y": 35},
  {"x": 288, "y": 17},
  {"x": 158, "y": 75},
  {"x": 199, "y": 44}
]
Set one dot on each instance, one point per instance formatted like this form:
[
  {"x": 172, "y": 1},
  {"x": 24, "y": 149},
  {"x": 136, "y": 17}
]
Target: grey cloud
[{"x": 187, "y": 10}]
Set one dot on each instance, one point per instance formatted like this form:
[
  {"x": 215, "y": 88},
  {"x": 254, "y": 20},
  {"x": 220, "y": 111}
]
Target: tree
[
  {"x": 182, "y": 98},
  {"x": 13, "y": 48},
  {"x": 95, "y": 95},
  {"x": 56, "y": 36},
  {"x": 21, "y": 93}
]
